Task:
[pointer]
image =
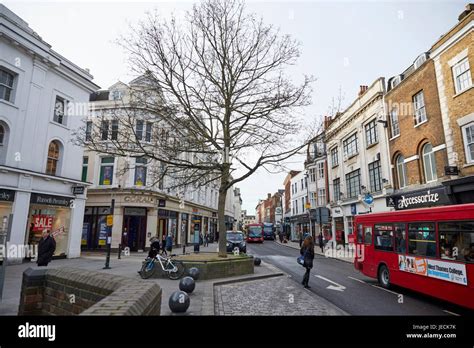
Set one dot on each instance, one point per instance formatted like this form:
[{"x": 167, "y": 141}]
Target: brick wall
[
  {"x": 411, "y": 138},
  {"x": 69, "y": 291},
  {"x": 462, "y": 104}
]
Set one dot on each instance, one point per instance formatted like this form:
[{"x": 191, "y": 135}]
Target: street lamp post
[{"x": 109, "y": 235}]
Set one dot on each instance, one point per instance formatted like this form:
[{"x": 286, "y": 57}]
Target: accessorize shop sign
[
  {"x": 443, "y": 270},
  {"x": 419, "y": 199}
]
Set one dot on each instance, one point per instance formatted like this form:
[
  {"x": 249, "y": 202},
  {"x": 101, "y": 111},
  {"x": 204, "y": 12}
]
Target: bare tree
[{"x": 217, "y": 81}]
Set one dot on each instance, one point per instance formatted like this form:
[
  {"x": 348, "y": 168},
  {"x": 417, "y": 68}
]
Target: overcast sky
[{"x": 345, "y": 44}]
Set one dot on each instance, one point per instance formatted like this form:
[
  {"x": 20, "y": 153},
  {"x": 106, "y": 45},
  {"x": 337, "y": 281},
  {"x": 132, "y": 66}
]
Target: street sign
[
  {"x": 110, "y": 220},
  {"x": 307, "y": 205},
  {"x": 368, "y": 199},
  {"x": 353, "y": 209}
]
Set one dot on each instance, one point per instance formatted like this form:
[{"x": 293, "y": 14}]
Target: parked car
[{"x": 236, "y": 239}]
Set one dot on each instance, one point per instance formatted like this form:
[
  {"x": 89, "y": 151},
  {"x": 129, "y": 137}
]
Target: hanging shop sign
[{"x": 78, "y": 190}]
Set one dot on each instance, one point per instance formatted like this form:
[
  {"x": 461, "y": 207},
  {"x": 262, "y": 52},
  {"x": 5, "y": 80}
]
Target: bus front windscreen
[{"x": 255, "y": 232}]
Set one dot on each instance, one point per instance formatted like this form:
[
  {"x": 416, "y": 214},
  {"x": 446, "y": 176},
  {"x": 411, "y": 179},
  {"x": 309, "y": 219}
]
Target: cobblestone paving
[{"x": 271, "y": 296}]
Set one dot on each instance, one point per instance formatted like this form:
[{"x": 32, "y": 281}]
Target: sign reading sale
[{"x": 42, "y": 222}]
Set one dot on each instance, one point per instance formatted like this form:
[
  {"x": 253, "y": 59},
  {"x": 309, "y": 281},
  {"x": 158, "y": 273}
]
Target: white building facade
[
  {"x": 299, "y": 218},
  {"x": 42, "y": 98},
  {"x": 358, "y": 160}
]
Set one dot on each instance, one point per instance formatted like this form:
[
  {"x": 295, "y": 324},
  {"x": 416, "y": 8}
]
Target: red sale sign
[{"x": 42, "y": 222}]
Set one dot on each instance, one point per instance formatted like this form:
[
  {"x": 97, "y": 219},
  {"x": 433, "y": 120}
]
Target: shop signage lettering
[
  {"x": 405, "y": 202},
  {"x": 7, "y": 195},
  {"x": 448, "y": 271},
  {"x": 138, "y": 199},
  {"x": 50, "y": 200},
  {"x": 429, "y": 198},
  {"x": 41, "y": 222},
  {"x": 78, "y": 190}
]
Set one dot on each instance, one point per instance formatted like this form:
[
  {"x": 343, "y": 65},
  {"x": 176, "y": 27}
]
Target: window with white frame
[
  {"x": 59, "y": 114},
  {"x": 371, "y": 132},
  {"x": 375, "y": 176},
  {"x": 139, "y": 130},
  {"x": 6, "y": 85},
  {"x": 104, "y": 129},
  {"x": 462, "y": 75},
  {"x": 148, "y": 131},
  {"x": 429, "y": 163},
  {"x": 401, "y": 171},
  {"x": 468, "y": 136},
  {"x": 353, "y": 184},
  {"x": 88, "y": 130},
  {"x": 350, "y": 146},
  {"x": 313, "y": 199},
  {"x": 140, "y": 171},
  {"x": 106, "y": 171},
  {"x": 114, "y": 133},
  {"x": 321, "y": 170},
  {"x": 336, "y": 185},
  {"x": 334, "y": 157},
  {"x": 303, "y": 201},
  {"x": 321, "y": 196},
  {"x": 419, "y": 106},
  {"x": 312, "y": 174},
  {"x": 394, "y": 124}
]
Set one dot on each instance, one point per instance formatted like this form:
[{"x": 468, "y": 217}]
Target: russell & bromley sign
[{"x": 419, "y": 199}]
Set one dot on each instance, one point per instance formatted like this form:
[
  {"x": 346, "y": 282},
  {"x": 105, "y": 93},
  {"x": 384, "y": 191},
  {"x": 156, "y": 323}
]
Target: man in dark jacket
[{"x": 46, "y": 248}]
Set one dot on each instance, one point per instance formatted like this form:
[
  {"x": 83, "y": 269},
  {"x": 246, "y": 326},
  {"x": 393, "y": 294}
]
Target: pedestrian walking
[
  {"x": 206, "y": 240},
  {"x": 154, "y": 247},
  {"x": 169, "y": 243},
  {"x": 307, "y": 250},
  {"x": 321, "y": 242},
  {"x": 46, "y": 248},
  {"x": 163, "y": 245},
  {"x": 300, "y": 237}
]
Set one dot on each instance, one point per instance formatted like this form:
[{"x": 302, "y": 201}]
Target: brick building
[{"x": 453, "y": 55}]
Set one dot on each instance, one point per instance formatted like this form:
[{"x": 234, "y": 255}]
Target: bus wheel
[{"x": 384, "y": 276}]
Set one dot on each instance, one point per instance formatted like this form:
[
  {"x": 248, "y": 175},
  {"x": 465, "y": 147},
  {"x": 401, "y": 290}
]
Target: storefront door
[{"x": 134, "y": 220}]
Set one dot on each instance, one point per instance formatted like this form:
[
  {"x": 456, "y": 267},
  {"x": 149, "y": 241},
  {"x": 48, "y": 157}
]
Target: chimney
[
  {"x": 362, "y": 90},
  {"x": 269, "y": 195},
  {"x": 469, "y": 9}
]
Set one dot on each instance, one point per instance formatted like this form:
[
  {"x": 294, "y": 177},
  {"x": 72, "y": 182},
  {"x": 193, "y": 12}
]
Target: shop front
[
  {"x": 460, "y": 191},
  {"x": 300, "y": 226},
  {"x": 196, "y": 226},
  {"x": 168, "y": 224},
  {"x": 184, "y": 227},
  {"x": 429, "y": 197},
  {"x": 7, "y": 197},
  {"x": 94, "y": 228},
  {"x": 134, "y": 228},
  {"x": 53, "y": 213}
]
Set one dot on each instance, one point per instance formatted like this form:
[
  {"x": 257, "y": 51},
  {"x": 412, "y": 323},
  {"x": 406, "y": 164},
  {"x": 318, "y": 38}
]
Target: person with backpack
[{"x": 307, "y": 251}]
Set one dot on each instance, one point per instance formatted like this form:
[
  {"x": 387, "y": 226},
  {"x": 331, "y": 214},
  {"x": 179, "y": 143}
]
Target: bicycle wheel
[
  {"x": 179, "y": 271},
  {"x": 148, "y": 268}
]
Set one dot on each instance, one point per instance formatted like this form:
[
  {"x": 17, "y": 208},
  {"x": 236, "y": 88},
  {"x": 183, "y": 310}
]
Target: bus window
[
  {"x": 360, "y": 234},
  {"x": 383, "y": 234},
  {"x": 368, "y": 235},
  {"x": 421, "y": 239},
  {"x": 456, "y": 240},
  {"x": 400, "y": 238}
]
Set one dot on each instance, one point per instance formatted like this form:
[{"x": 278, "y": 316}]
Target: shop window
[
  {"x": 53, "y": 158},
  {"x": 106, "y": 171},
  {"x": 421, "y": 239},
  {"x": 383, "y": 234},
  {"x": 456, "y": 240},
  {"x": 400, "y": 238}
]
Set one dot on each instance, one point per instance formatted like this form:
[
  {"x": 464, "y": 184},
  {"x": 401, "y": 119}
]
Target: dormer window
[
  {"x": 395, "y": 81},
  {"x": 116, "y": 95},
  {"x": 420, "y": 60}
]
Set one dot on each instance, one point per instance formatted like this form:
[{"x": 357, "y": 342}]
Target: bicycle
[{"x": 174, "y": 269}]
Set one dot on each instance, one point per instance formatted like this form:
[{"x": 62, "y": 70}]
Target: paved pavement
[
  {"x": 273, "y": 296},
  {"x": 339, "y": 283},
  {"x": 202, "y": 298}
]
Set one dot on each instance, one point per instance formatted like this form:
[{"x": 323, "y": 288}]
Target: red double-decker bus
[
  {"x": 428, "y": 250},
  {"x": 255, "y": 233}
]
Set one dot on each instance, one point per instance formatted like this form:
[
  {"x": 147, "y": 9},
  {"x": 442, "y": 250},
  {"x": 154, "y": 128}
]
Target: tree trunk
[{"x": 221, "y": 214}]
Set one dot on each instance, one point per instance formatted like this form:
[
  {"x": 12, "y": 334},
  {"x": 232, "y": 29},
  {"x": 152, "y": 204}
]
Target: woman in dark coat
[
  {"x": 154, "y": 247},
  {"x": 321, "y": 242},
  {"x": 307, "y": 250},
  {"x": 46, "y": 248}
]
